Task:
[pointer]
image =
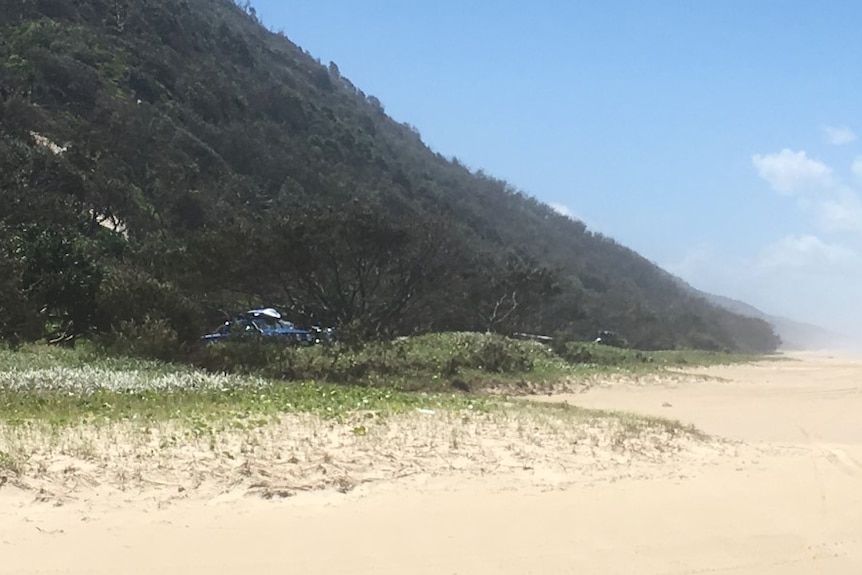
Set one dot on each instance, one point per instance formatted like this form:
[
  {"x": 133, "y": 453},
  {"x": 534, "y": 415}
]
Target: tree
[
  {"x": 511, "y": 295},
  {"x": 357, "y": 269},
  {"x": 19, "y": 319}
]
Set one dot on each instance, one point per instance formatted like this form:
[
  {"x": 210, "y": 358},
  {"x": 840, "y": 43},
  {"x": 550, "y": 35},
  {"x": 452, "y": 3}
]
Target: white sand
[{"x": 439, "y": 495}]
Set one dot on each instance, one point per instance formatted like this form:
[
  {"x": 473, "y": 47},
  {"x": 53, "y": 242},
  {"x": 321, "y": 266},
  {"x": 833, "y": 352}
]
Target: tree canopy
[{"x": 174, "y": 160}]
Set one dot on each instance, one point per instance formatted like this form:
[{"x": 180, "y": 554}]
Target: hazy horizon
[{"x": 716, "y": 139}]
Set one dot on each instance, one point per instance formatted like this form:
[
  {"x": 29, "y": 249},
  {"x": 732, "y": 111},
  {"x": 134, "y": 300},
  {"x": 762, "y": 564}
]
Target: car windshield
[{"x": 270, "y": 324}]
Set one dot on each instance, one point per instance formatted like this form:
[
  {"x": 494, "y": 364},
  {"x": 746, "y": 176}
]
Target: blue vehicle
[{"x": 267, "y": 322}]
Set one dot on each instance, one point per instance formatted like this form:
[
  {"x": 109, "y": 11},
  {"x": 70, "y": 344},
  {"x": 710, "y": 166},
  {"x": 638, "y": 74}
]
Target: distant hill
[
  {"x": 794, "y": 335},
  {"x": 166, "y": 162}
]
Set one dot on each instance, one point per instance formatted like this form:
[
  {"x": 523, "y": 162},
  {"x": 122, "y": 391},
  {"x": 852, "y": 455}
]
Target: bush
[
  {"x": 277, "y": 360},
  {"x": 150, "y": 339},
  {"x": 243, "y": 355},
  {"x": 420, "y": 358},
  {"x": 576, "y": 352},
  {"x": 499, "y": 355},
  {"x": 133, "y": 297}
]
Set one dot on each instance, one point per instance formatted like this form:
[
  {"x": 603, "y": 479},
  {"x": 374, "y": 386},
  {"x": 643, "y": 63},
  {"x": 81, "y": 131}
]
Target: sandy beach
[{"x": 776, "y": 489}]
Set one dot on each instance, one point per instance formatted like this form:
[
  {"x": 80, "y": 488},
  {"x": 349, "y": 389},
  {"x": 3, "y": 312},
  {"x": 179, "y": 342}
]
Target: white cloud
[
  {"x": 806, "y": 252},
  {"x": 838, "y": 135},
  {"x": 833, "y": 205},
  {"x": 791, "y": 172}
]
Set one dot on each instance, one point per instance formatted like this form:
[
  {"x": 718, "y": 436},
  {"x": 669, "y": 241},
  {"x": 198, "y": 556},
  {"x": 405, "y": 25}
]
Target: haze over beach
[{"x": 719, "y": 140}]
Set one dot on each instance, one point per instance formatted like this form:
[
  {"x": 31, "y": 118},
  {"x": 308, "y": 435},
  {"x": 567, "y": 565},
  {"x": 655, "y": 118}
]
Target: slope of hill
[{"x": 169, "y": 160}]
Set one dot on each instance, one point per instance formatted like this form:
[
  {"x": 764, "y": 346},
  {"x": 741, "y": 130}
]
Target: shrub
[
  {"x": 150, "y": 339},
  {"x": 596, "y": 354},
  {"x": 499, "y": 355},
  {"x": 421, "y": 358},
  {"x": 243, "y": 355},
  {"x": 133, "y": 297}
]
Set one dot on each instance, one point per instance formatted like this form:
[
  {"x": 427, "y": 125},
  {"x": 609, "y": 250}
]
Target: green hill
[{"x": 173, "y": 159}]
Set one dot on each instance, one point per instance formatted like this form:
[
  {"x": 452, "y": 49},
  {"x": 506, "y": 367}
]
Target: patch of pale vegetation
[
  {"x": 88, "y": 380},
  {"x": 46, "y": 143}
]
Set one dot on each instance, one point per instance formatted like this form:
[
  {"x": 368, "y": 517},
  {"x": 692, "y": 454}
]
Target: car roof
[{"x": 269, "y": 312}]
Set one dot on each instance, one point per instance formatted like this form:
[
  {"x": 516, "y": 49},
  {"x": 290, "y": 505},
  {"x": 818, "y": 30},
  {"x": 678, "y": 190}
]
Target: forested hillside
[{"x": 173, "y": 160}]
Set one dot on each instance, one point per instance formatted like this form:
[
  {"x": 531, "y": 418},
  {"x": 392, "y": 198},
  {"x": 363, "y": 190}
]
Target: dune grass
[
  {"x": 79, "y": 403},
  {"x": 443, "y": 361},
  {"x": 66, "y": 395},
  {"x": 438, "y": 371}
]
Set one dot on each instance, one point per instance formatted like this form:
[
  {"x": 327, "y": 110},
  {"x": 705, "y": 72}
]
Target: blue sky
[{"x": 717, "y": 138}]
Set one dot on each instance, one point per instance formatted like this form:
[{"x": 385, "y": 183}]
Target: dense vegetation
[{"x": 165, "y": 162}]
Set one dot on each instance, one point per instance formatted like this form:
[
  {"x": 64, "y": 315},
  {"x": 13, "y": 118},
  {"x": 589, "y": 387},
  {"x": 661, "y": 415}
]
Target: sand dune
[{"x": 781, "y": 494}]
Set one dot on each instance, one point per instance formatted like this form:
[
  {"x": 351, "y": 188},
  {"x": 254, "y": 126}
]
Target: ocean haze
[{"x": 795, "y": 335}]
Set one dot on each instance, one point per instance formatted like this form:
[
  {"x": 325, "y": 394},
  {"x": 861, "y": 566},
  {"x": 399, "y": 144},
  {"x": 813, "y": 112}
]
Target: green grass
[
  {"x": 64, "y": 386},
  {"x": 253, "y": 403},
  {"x": 443, "y": 361},
  {"x": 601, "y": 356},
  {"x": 84, "y": 354},
  {"x": 63, "y": 392},
  {"x": 700, "y": 358}
]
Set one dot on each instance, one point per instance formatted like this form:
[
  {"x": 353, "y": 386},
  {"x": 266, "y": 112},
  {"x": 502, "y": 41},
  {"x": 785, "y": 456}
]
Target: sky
[{"x": 720, "y": 139}]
